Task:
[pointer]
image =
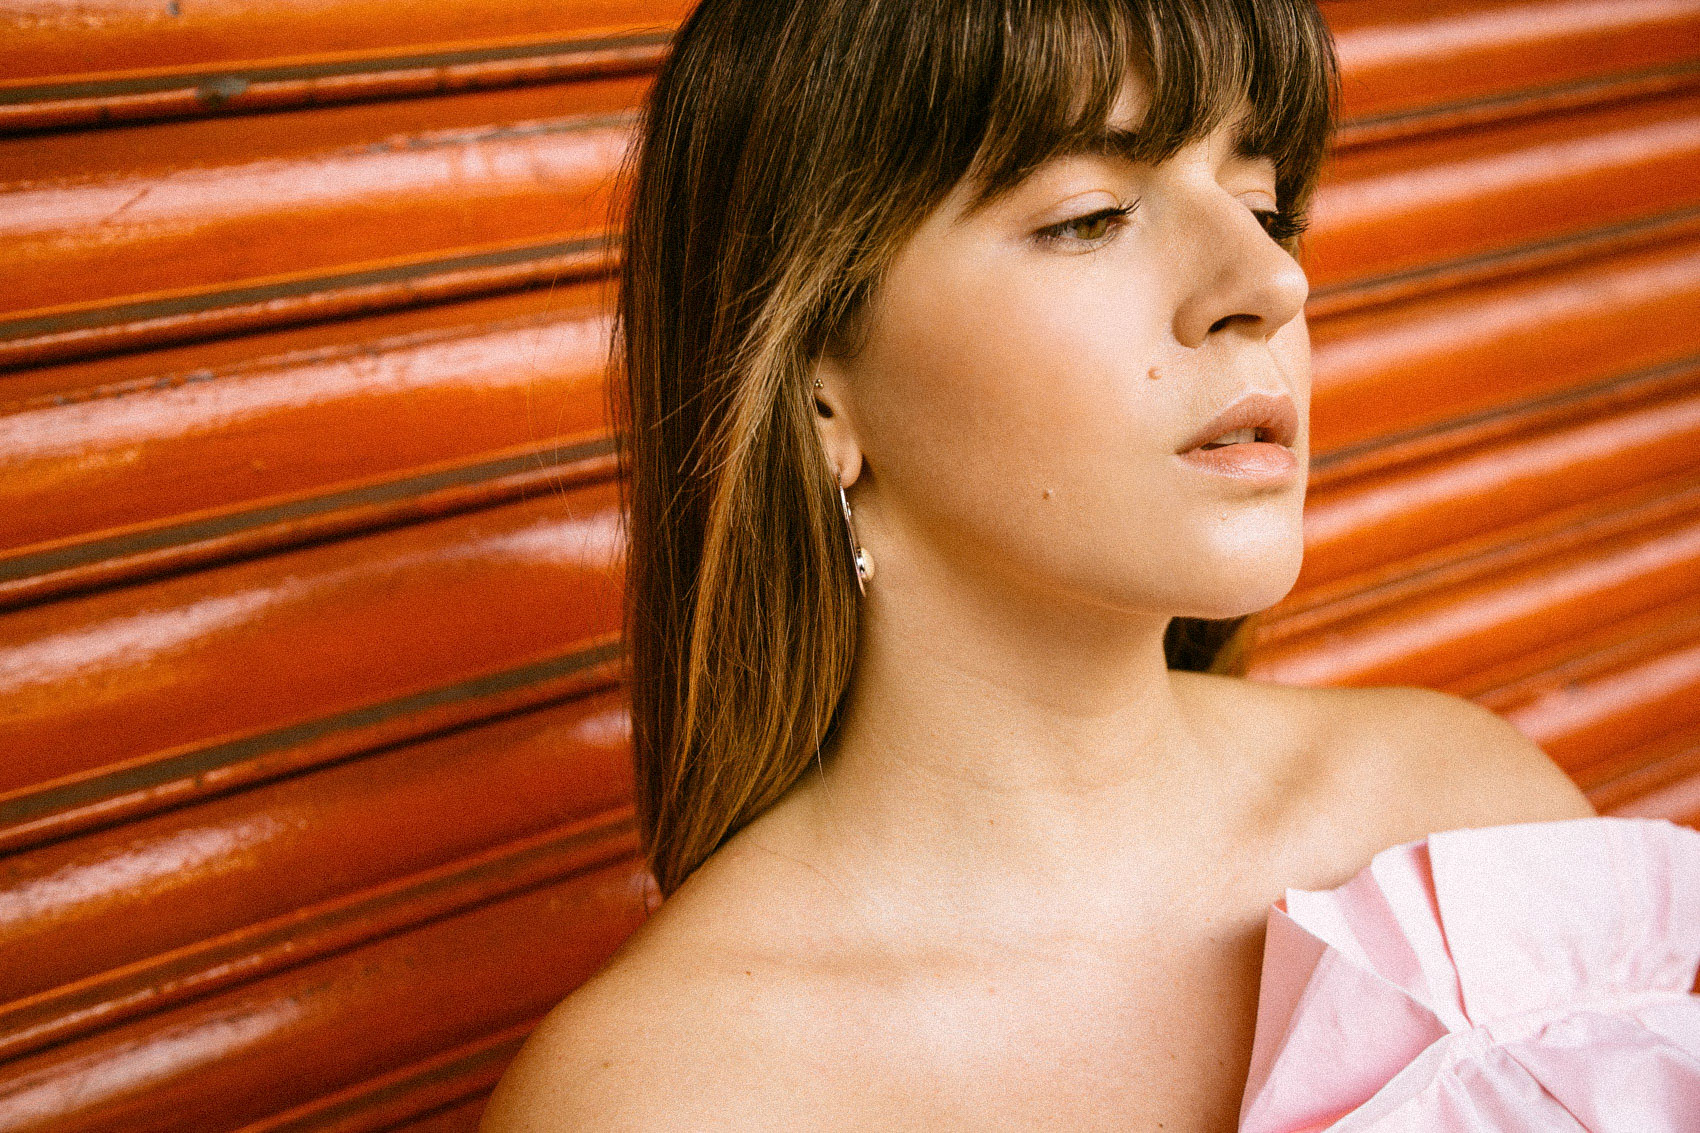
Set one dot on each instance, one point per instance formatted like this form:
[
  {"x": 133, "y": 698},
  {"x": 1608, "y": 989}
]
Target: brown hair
[{"x": 785, "y": 153}]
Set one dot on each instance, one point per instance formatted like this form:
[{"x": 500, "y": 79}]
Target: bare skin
[
  {"x": 1025, "y": 887},
  {"x": 775, "y": 992}
]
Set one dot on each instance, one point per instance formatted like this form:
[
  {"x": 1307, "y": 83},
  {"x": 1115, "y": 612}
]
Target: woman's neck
[{"x": 1015, "y": 747}]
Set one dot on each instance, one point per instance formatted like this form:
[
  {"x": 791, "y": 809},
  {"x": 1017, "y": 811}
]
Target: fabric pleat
[{"x": 1531, "y": 976}]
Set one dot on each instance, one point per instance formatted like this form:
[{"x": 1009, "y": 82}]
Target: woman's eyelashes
[
  {"x": 1102, "y": 225},
  {"x": 1095, "y": 229},
  {"x": 1281, "y": 224}
]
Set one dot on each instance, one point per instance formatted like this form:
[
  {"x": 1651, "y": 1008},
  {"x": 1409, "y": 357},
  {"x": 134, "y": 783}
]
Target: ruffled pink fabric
[{"x": 1535, "y": 976}]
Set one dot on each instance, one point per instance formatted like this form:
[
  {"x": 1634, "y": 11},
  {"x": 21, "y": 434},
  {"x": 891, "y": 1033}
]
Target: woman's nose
[{"x": 1237, "y": 275}]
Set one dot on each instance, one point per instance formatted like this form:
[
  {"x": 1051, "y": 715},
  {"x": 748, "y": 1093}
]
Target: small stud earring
[{"x": 859, "y": 554}]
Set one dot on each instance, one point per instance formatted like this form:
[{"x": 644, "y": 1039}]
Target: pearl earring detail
[{"x": 859, "y": 554}]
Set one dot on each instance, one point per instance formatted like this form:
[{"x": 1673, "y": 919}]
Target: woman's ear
[{"x": 837, "y": 436}]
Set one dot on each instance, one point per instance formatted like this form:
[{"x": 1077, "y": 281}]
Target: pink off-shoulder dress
[{"x": 1534, "y": 976}]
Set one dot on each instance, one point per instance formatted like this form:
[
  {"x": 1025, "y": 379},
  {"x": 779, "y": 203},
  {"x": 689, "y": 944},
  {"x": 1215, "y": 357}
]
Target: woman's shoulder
[
  {"x": 1442, "y": 761},
  {"x": 1353, "y": 770},
  {"x": 658, "y": 1039},
  {"x": 1439, "y": 749},
  {"x": 683, "y": 1027}
]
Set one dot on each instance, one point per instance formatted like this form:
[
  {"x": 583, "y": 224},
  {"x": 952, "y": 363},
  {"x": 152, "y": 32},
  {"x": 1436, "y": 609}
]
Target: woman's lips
[
  {"x": 1256, "y": 462},
  {"x": 1273, "y": 415}
]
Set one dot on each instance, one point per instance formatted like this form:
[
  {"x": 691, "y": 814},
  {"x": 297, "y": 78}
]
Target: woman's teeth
[{"x": 1238, "y": 436}]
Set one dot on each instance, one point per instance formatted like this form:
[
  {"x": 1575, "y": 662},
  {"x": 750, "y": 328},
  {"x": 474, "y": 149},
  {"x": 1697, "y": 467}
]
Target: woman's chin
[{"x": 1241, "y": 586}]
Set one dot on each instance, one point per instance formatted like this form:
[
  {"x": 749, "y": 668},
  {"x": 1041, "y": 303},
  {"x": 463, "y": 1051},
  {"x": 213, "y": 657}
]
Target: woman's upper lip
[{"x": 1274, "y": 413}]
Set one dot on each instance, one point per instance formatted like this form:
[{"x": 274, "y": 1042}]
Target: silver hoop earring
[{"x": 858, "y": 554}]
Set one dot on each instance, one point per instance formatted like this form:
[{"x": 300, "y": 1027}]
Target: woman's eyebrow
[
  {"x": 1111, "y": 141},
  {"x": 1136, "y": 145},
  {"x": 1246, "y": 148}
]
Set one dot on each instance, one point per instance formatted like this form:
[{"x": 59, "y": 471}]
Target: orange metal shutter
[{"x": 314, "y": 791}]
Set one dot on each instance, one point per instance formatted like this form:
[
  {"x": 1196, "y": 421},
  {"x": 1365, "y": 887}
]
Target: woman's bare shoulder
[
  {"x": 617, "y": 1055},
  {"x": 1401, "y": 757},
  {"x": 1365, "y": 768},
  {"x": 681, "y": 1029},
  {"x": 651, "y": 1045},
  {"x": 1427, "y": 760}
]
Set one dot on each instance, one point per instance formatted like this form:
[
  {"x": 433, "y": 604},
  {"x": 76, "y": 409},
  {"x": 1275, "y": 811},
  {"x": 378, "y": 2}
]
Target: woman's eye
[
  {"x": 1282, "y": 226},
  {"x": 1093, "y": 228}
]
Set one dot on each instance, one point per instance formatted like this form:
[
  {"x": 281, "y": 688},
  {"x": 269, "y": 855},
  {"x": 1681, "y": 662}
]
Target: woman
[{"x": 967, "y": 382}]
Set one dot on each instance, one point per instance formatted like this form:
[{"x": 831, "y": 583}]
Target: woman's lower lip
[{"x": 1258, "y": 462}]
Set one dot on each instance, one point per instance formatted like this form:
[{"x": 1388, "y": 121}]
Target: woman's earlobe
[{"x": 850, "y": 468}]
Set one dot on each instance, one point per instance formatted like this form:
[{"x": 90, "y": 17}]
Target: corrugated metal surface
[
  {"x": 1505, "y": 485},
  {"x": 314, "y": 792}
]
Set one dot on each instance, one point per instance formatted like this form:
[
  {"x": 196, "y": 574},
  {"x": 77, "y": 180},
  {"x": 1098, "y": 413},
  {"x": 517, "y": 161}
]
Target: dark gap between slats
[
  {"x": 122, "y": 101},
  {"x": 171, "y": 548},
  {"x": 36, "y": 815}
]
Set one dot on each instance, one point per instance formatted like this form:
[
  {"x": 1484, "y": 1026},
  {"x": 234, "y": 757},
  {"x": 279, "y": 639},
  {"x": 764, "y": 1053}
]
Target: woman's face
[{"x": 1025, "y": 385}]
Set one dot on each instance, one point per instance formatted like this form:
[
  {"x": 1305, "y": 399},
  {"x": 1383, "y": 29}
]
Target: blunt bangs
[{"x": 1061, "y": 65}]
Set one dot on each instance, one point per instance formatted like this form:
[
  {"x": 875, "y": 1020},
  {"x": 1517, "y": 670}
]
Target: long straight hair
[{"x": 785, "y": 153}]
